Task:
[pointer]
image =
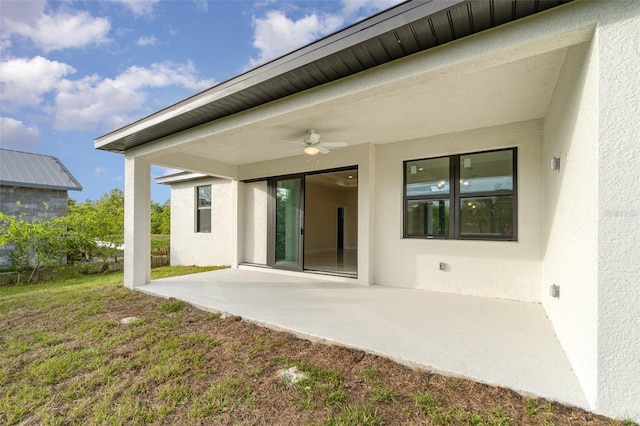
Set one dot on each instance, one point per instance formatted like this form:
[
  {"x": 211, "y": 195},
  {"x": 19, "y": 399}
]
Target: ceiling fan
[{"x": 312, "y": 144}]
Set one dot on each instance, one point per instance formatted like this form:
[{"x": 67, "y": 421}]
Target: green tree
[
  {"x": 96, "y": 228},
  {"x": 32, "y": 245},
  {"x": 15, "y": 241},
  {"x": 161, "y": 218},
  {"x": 80, "y": 222},
  {"x": 90, "y": 229},
  {"x": 107, "y": 223}
]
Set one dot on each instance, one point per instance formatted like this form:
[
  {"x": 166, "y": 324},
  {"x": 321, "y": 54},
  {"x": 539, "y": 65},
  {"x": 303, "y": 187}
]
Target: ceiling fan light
[{"x": 311, "y": 150}]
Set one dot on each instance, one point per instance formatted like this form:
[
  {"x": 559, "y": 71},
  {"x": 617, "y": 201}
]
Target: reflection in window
[
  {"x": 487, "y": 216},
  {"x": 426, "y": 177},
  {"x": 428, "y": 217},
  {"x": 465, "y": 196},
  {"x": 486, "y": 172},
  {"x": 288, "y": 201},
  {"x": 203, "y": 204}
]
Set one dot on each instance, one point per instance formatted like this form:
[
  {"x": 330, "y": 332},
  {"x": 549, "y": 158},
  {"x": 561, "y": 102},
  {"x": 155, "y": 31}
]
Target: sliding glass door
[
  {"x": 313, "y": 222},
  {"x": 288, "y": 222}
]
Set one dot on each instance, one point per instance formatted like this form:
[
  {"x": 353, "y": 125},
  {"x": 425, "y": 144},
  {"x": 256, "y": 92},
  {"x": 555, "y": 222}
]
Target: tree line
[{"x": 90, "y": 230}]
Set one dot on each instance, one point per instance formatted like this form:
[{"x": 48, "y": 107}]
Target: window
[
  {"x": 465, "y": 196},
  {"x": 203, "y": 208}
]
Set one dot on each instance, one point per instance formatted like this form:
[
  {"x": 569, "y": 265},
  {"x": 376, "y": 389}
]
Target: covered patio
[
  {"x": 558, "y": 88},
  {"x": 489, "y": 340}
]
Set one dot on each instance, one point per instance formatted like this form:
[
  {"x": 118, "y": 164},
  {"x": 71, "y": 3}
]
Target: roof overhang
[
  {"x": 396, "y": 33},
  {"x": 182, "y": 177}
]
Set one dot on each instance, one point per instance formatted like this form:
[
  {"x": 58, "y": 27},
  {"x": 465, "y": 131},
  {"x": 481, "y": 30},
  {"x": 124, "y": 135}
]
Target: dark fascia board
[{"x": 355, "y": 34}]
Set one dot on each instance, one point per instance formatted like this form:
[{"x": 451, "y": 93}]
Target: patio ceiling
[
  {"x": 440, "y": 101},
  {"x": 399, "y": 32}
]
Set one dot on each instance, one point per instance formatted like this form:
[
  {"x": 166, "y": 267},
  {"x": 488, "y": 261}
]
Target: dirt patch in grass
[{"x": 65, "y": 357}]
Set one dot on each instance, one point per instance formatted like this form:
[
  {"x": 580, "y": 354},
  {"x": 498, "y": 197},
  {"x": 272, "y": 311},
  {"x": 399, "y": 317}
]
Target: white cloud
[
  {"x": 15, "y": 134},
  {"x": 276, "y": 34},
  {"x": 24, "y": 81},
  {"x": 53, "y": 30},
  {"x": 100, "y": 171},
  {"x": 365, "y": 7},
  {"x": 92, "y": 101},
  {"x": 202, "y": 5},
  {"x": 139, "y": 7},
  {"x": 147, "y": 41}
]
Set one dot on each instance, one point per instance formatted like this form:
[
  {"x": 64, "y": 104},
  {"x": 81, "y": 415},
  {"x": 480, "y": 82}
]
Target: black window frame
[
  {"x": 455, "y": 196},
  {"x": 199, "y": 208}
]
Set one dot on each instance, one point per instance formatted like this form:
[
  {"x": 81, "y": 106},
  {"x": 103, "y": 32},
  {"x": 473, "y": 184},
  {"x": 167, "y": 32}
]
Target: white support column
[
  {"x": 366, "y": 216},
  {"x": 137, "y": 221}
]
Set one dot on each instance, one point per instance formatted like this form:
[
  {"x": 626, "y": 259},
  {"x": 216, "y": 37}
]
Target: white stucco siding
[
  {"x": 189, "y": 247},
  {"x": 618, "y": 50},
  {"x": 508, "y": 270},
  {"x": 137, "y": 221},
  {"x": 570, "y": 231},
  {"x": 254, "y": 230}
]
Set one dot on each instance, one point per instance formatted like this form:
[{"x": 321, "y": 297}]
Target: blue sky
[{"x": 71, "y": 71}]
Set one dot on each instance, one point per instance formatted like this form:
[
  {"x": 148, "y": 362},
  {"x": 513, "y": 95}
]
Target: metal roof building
[{"x": 28, "y": 170}]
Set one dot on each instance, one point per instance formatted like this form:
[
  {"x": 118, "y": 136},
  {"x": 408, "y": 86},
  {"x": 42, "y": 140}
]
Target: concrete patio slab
[{"x": 499, "y": 342}]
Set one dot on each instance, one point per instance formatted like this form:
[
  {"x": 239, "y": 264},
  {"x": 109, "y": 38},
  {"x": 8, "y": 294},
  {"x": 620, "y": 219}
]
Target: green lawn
[{"x": 66, "y": 358}]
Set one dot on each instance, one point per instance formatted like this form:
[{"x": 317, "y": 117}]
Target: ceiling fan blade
[
  {"x": 334, "y": 144},
  {"x": 322, "y": 148},
  {"x": 294, "y": 142}
]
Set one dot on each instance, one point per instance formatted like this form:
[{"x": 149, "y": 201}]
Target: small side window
[{"x": 203, "y": 208}]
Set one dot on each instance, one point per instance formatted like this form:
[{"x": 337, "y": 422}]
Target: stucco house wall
[
  {"x": 503, "y": 269},
  {"x": 254, "y": 222},
  {"x": 570, "y": 249},
  {"x": 189, "y": 247},
  {"x": 618, "y": 52}
]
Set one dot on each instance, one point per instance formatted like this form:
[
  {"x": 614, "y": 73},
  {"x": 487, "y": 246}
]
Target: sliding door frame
[
  {"x": 272, "y": 183},
  {"x": 271, "y": 222}
]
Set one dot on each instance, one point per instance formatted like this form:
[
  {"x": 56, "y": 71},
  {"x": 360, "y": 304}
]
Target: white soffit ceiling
[{"x": 427, "y": 105}]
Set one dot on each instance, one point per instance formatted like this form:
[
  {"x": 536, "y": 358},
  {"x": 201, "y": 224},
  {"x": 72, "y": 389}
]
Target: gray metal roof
[
  {"x": 405, "y": 29},
  {"x": 30, "y": 170}
]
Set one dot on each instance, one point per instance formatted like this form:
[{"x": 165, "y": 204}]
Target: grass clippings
[{"x": 66, "y": 358}]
